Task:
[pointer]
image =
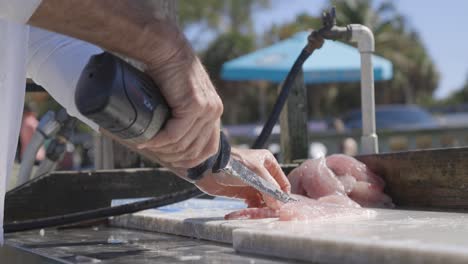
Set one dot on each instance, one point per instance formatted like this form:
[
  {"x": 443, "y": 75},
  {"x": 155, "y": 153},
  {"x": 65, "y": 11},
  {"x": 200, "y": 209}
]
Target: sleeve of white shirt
[
  {"x": 55, "y": 62},
  {"x": 18, "y": 11}
]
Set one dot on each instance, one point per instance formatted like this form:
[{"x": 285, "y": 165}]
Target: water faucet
[
  {"x": 330, "y": 30},
  {"x": 364, "y": 38}
]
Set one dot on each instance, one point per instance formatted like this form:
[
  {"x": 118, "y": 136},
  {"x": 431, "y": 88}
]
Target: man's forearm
[
  {"x": 130, "y": 28},
  {"x": 125, "y": 26}
]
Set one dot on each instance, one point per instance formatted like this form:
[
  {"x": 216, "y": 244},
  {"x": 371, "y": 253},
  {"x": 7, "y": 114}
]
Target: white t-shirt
[{"x": 51, "y": 60}]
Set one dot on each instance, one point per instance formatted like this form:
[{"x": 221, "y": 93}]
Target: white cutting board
[
  {"x": 198, "y": 218},
  {"x": 385, "y": 236}
]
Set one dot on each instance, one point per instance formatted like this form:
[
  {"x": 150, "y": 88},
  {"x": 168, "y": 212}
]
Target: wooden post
[
  {"x": 103, "y": 153},
  {"x": 262, "y": 102},
  {"x": 110, "y": 154},
  {"x": 293, "y": 122}
]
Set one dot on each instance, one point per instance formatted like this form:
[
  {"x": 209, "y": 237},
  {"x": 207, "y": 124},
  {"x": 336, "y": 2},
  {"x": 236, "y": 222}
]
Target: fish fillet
[
  {"x": 336, "y": 186},
  {"x": 343, "y": 165},
  {"x": 361, "y": 184},
  {"x": 314, "y": 179},
  {"x": 329, "y": 206}
]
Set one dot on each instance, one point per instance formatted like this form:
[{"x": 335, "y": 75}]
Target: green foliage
[
  {"x": 415, "y": 75},
  {"x": 302, "y": 22},
  {"x": 459, "y": 97},
  {"x": 220, "y": 15},
  {"x": 231, "y": 20},
  {"x": 226, "y": 47},
  {"x": 240, "y": 98},
  {"x": 207, "y": 12}
]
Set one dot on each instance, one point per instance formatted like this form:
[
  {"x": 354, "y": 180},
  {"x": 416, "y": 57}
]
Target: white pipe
[
  {"x": 45, "y": 167},
  {"x": 365, "y": 40},
  {"x": 29, "y": 157},
  {"x": 48, "y": 126}
]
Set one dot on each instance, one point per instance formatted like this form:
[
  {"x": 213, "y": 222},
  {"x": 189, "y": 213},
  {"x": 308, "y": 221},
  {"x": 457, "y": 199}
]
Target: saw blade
[{"x": 240, "y": 171}]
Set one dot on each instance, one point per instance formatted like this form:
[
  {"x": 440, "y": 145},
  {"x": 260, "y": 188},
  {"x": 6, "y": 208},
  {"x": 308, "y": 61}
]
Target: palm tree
[
  {"x": 221, "y": 16},
  {"x": 415, "y": 75},
  {"x": 242, "y": 102},
  {"x": 231, "y": 21},
  {"x": 302, "y": 22},
  {"x": 458, "y": 97}
]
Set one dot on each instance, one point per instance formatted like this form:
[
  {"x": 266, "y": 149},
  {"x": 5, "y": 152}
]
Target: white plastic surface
[
  {"x": 364, "y": 37},
  {"x": 393, "y": 236},
  {"x": 387, "y": 236}
]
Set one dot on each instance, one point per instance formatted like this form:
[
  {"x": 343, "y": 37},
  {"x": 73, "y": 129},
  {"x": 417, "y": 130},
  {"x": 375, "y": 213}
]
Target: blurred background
[{"x": 423, "y": 105}]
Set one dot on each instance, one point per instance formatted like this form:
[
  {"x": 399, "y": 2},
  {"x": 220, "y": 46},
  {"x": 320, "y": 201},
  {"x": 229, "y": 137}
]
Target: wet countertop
[
  {"x": 380, "y": 236},
  {"x": 377, "y": 236},
  {"x": 116, "y": 245}
]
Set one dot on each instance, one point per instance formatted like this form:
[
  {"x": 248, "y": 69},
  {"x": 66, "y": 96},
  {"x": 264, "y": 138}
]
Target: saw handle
[
  {"x": 216, "y": 162},
  {"x": 126, "y": 102}
]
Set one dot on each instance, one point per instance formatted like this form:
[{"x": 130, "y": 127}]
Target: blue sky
[{"x": 441, "y": 25}]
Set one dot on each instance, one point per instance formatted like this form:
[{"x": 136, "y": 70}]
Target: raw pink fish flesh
[
  {"x": 253, "y": 213},
  {"x": 343, "y": 165},
  {"x": 369, "y": 195},
  {"x": 331, "y": 206},
  {"x": 305, "y": 209},
  {"x": 335, "y": 186},
  {"x": 314, "y": 179},
  {"x": 367, "y": 188}
]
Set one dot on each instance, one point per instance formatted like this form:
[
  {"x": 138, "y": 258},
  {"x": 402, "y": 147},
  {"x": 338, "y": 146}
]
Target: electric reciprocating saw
[{"x": 127, "y": 103}]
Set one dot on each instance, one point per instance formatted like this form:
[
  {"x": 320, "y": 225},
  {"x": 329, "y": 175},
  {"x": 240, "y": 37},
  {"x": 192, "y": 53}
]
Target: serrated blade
[{"x": 240, "y": 171}]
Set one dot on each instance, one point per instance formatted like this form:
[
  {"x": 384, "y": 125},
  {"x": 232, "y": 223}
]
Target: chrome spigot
[{"x": 330, "y": 30}]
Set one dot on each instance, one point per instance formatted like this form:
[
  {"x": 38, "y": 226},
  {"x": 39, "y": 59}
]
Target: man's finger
[
  {"x": 247, "y": 193},
  {"x": 181, "y": 147},
  {"x": 270, "y": 201},
  {"x": 277, "y": 173},
  {"x": 199, "y": 151},
  {"x": 173, "y": 131}
]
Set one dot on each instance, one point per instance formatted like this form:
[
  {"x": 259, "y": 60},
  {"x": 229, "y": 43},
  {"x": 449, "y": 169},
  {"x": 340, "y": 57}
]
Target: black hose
[
  {"x": 102, "y": 212},
  {"x": 282, "y": 97}
]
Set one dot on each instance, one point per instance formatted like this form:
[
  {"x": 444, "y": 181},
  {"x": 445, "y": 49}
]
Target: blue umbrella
[{"x": 334, "y": 62}]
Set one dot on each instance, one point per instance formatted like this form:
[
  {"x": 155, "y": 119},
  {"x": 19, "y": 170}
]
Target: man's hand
[
  {"x": 192, "y": 134},
  {"x": 261, "y": 162}
]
